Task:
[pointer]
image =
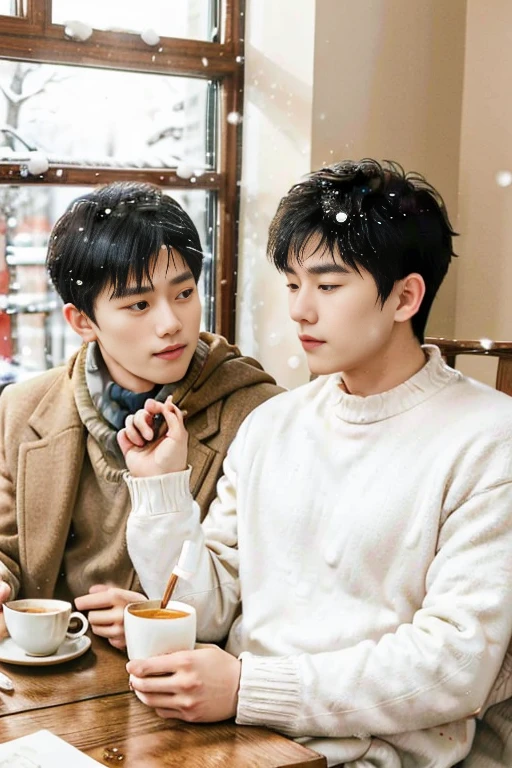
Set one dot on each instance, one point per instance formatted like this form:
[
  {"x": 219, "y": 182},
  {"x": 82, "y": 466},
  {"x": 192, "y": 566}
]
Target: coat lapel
[
  {"x": 48, "y": 477},
  {"x": 200, "y": 457}
]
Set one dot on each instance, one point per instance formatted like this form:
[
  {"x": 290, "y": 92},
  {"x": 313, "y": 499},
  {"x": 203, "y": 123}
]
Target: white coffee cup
[
  {"x": 146, "y": 636},
  {"x": 39, "y": 626}
]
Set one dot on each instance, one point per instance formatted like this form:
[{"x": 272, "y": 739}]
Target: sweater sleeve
[
  {"x": 437, "y": 669},
  {"x": 163, "y": 516}
]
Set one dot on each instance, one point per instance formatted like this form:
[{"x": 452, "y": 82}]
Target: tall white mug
[{"x": 151, "y": 631}]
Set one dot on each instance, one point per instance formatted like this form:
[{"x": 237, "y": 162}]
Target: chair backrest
[{"x": 451, "y": 348}]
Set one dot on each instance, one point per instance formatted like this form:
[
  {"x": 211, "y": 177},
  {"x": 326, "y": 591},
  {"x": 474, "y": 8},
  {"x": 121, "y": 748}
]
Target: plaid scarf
[{"x": 113, "y": 402}]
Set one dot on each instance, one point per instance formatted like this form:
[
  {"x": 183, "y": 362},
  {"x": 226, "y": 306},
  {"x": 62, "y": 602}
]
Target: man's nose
[
  {"x": 168, "y": 323},
  {"x": 302, "y": 308}
]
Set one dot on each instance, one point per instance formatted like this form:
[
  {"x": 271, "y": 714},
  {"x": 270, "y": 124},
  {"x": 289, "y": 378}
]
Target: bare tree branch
[{"x": 20, "y": 98}]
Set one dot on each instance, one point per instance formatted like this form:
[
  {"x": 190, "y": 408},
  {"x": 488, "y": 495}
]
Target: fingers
[
  {"x": 118, "y": 642},
  {"x": 158, "y": 700},
  {"x": 155, "y": 700},
  {"x": 110, "y": 625},
  {"x": 141, "y": 432},
  {"x": 93, "y": 601},
  {"x": 106, "y": 611},
  {"x": 169, "y": 706},
  {"x": 3, "y": 629},
  {"x": 157, "y": 684},
  {"x": 98, "y": 588},
  {"x": 102, "y": 596},
  {"x": 139, "y": 427},
  {"x": 107, "y": 617},
  {"x": 110, "y": 631},
  {"x": 5, "y": 591},
  {"x": 166, "y": 664},
  {"x": 174, "y": 418},
  {"x": 124, "y": 442},
  {"x": 114, "y": 633},
  {"x": 198, "y": 686},
  {"x": 154, "y": 406},
  {"x": 169, "y": 714}
]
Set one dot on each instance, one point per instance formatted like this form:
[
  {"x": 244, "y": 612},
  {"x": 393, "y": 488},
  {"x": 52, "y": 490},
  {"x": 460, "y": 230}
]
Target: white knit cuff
[
  {"x": 160, "y": 494},
  {"x": 269, "y": 693}
]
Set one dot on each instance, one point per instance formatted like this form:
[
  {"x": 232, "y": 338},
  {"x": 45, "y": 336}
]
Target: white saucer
[{"x": 69, "y": 649}]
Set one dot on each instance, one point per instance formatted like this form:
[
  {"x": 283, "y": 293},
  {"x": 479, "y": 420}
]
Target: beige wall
[
  {"x": 278, "y": 102},
  {"x": 388, "y": 84},
  {"x": 332, "y": 79},
  {"x": 484, "y": 302}
]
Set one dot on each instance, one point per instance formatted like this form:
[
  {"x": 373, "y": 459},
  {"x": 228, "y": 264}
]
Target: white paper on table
[{"x": 42, "y": 749}]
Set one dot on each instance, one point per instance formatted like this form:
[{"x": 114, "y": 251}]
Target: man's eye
[
  {"x": 328, "y": 288},
  {"x": 139, "y": 306},
  {"x": 292, "y": 286},
  {"x": 186, "y": 293}
]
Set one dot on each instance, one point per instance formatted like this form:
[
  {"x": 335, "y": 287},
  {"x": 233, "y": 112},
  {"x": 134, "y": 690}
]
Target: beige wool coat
[{"x": 42, "y": 444}]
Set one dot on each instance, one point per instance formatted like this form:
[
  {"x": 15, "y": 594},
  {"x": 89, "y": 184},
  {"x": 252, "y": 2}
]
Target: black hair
[
  {"x": 113, "y": 235},
  {"x": 376, "y": 217}
]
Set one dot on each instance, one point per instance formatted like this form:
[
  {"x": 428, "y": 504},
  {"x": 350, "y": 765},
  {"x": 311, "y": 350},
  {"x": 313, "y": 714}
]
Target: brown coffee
[
  {"x": 159, "y": 613},
  {"x": 35, "y": 610}
]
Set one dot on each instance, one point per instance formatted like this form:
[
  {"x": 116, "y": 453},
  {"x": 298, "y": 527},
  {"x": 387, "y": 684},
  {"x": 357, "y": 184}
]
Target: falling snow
[
  {"x": 294, "y": 362},
  {"x": 504, "y": 178},
  {"x": 234, "y": 118}
]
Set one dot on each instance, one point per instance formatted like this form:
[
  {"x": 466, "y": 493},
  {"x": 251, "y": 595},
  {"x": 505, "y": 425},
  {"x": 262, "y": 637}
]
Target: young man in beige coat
[{"x": 126, "y": 260}]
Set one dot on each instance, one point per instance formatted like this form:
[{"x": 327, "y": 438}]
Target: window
[
  {"x": 13, "y": 8},
  {"x": 187, "y": 19},
  {"x": 92, "y": 92}
]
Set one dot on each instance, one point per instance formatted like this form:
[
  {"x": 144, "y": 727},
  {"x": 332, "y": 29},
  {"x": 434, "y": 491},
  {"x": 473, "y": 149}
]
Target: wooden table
[{"x": 88, "y": 703}]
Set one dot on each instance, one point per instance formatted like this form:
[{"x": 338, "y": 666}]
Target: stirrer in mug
[{"x": 184, "y": 568}]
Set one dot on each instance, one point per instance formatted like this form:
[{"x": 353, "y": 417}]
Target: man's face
[
  {"x": 149, "y": 336},
  {"x": 341, "y": 322}
]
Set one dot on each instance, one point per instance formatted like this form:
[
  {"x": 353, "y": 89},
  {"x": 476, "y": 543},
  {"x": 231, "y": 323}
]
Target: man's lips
[
  {"x": 171, "y": 353},
  {"x": 309, "y": 342}
]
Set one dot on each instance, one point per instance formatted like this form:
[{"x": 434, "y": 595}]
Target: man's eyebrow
[
  {"x": 135, "y": 290},
  {"x": 126, "y": 292},
  {"x": 322, "y": 269},
  {"x": 182, "y": 278}
]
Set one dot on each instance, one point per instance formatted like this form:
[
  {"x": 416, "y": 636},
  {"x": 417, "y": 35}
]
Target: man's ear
[
  {"x": 79, "y": 322},
  {"x": 411, "y": 291}
]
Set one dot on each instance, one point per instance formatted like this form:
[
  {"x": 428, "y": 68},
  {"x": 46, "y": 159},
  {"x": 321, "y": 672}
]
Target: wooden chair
[{"x": 451, "y": 348}]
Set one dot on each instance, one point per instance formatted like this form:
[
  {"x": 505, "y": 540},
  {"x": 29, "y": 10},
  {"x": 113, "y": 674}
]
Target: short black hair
[
  {"x": 114, "y": 234},
  {"x": 376, "y": 217}
]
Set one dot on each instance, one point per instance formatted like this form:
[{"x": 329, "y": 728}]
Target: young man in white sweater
[{"x": 359, "y": 552}]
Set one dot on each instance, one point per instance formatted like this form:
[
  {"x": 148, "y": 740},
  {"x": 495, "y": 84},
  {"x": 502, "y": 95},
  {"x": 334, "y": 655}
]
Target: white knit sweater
[{"x": 370, "y": 543}]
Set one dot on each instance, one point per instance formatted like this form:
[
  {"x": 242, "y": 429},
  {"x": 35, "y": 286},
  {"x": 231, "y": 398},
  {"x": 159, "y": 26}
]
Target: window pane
[
  {"x": 86, "y": 116},
  {"x": 33, "y": 333},
  {"x": 13, "y": 7},
  {"x": 168, "y": 18}
]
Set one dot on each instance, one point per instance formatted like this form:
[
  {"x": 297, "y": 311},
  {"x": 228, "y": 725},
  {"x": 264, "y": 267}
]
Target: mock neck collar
[{"x": 431, "y": 378}]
